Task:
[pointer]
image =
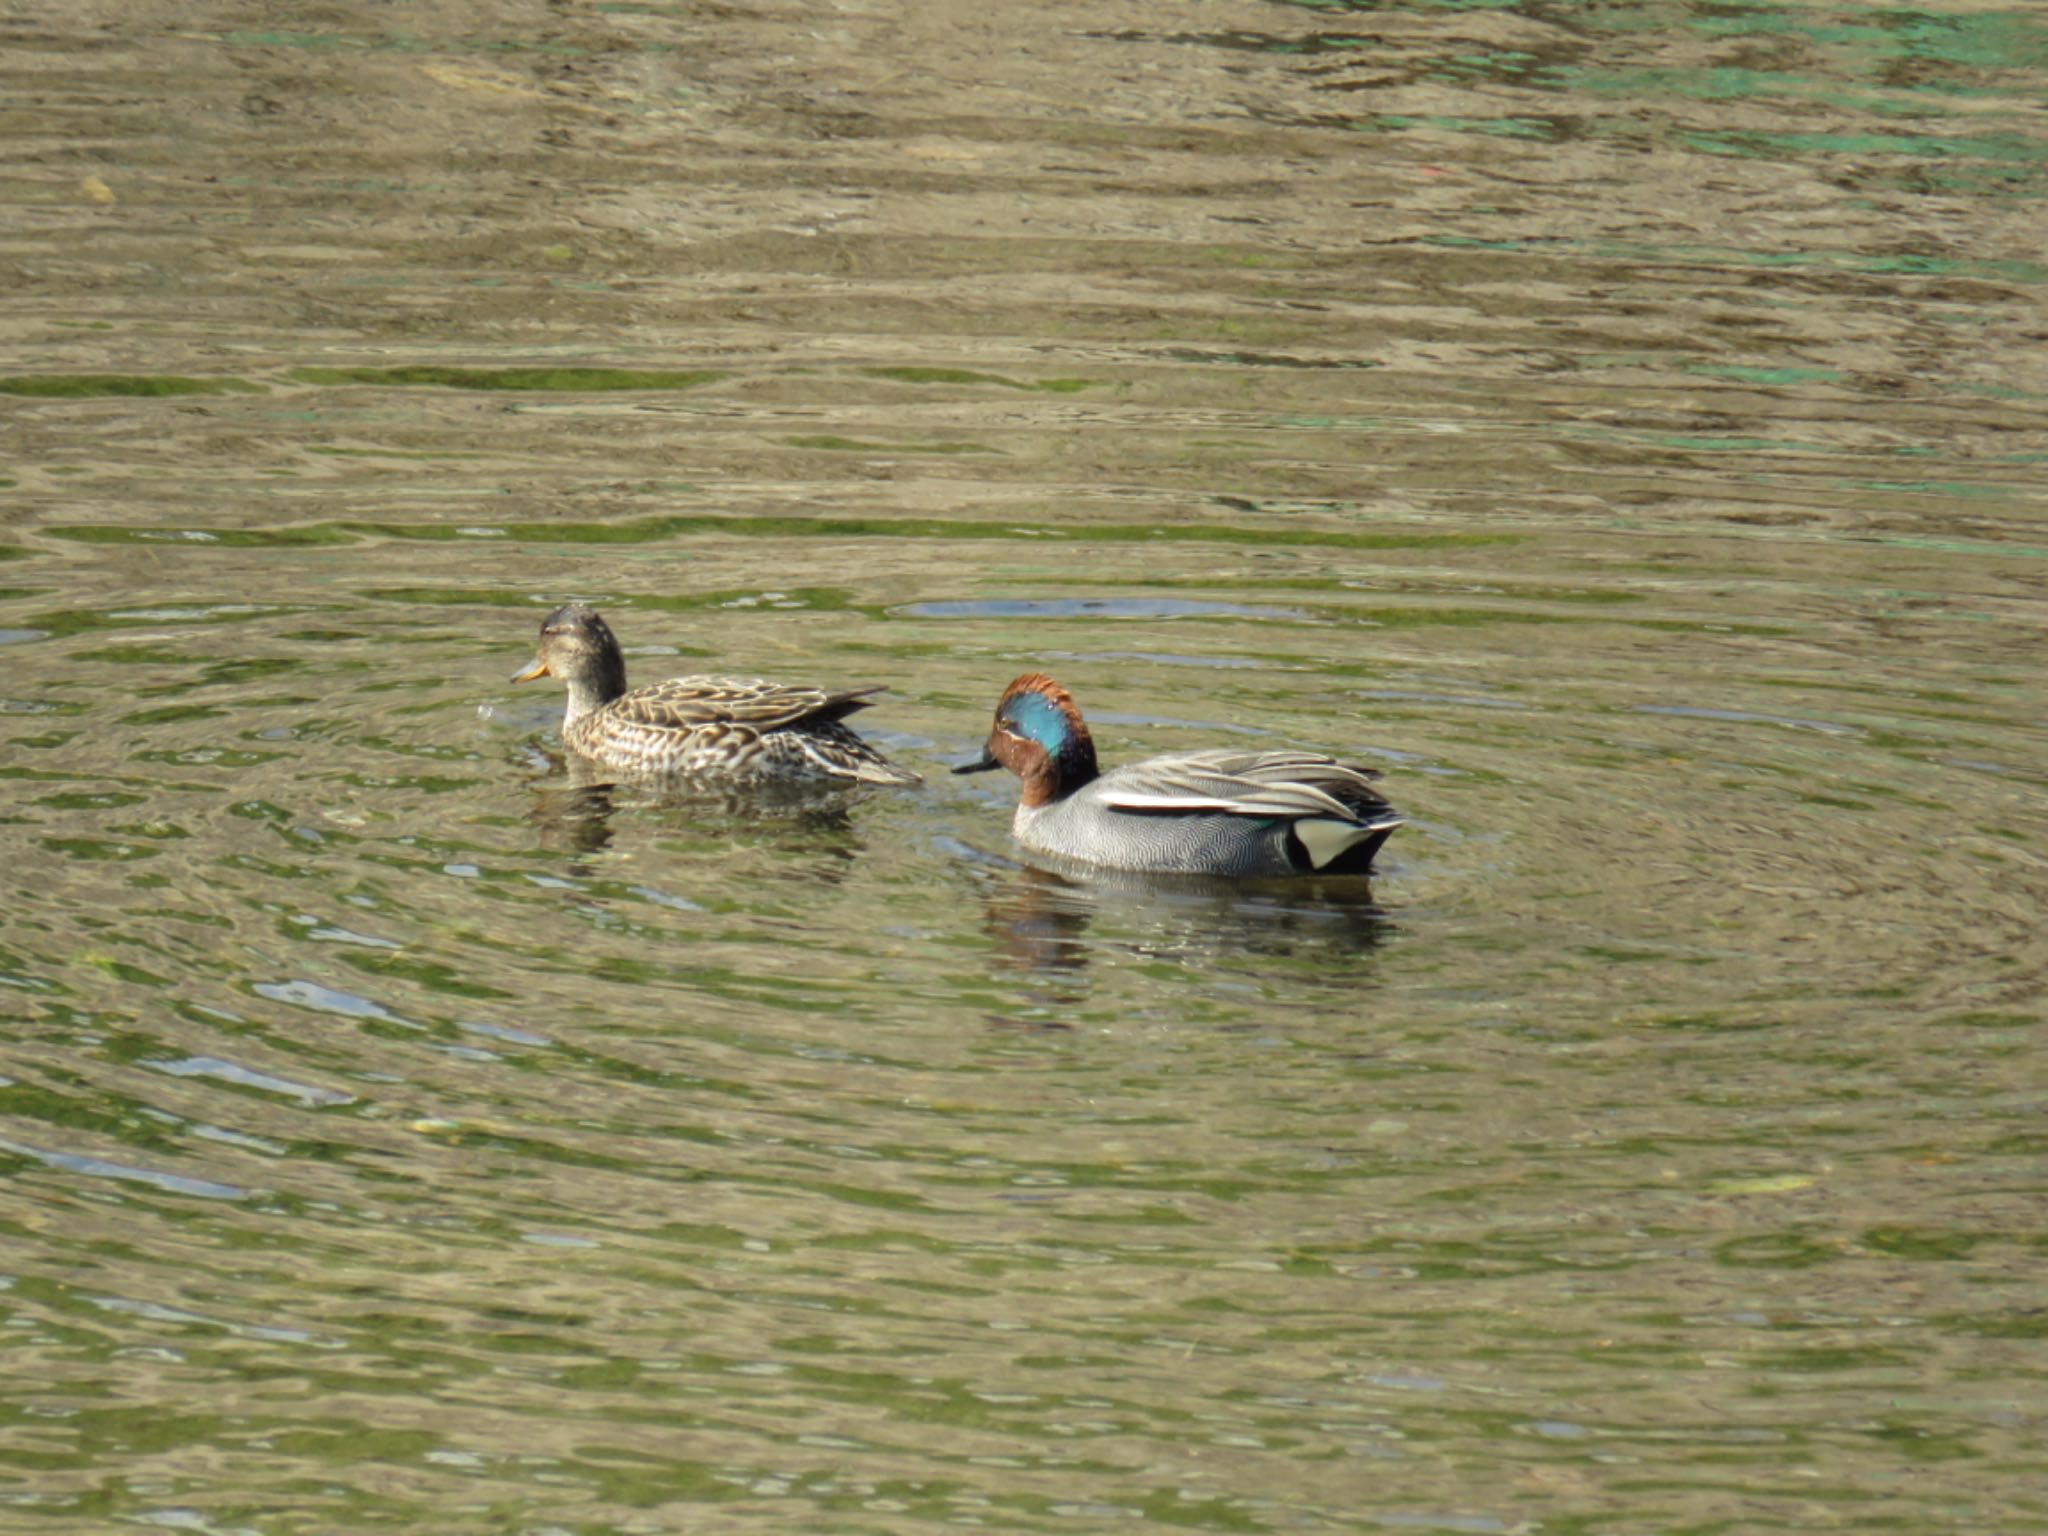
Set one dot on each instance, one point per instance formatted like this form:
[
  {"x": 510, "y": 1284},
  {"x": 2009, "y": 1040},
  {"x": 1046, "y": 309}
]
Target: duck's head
[
  {"x": 577, "y": 646},
  {"x": 1039, "y": 735}
]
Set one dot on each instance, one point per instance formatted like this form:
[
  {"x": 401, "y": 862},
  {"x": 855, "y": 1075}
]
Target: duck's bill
[
  {"x": 981, "y": 764},
  {"x": 539, "y": 668}
]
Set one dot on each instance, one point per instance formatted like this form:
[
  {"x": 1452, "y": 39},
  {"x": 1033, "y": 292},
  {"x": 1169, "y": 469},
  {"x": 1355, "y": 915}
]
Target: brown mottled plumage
[{"x": 713, "y": 728}]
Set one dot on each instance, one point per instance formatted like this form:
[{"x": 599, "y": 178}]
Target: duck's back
[{"x": 687, "y": 703}]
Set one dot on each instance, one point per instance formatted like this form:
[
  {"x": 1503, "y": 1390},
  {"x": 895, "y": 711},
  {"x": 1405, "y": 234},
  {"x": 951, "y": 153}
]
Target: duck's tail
[{"x": 1332, "y": 847}]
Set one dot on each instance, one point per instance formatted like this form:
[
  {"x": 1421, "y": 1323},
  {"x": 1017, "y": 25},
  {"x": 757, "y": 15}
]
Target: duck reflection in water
[
  {"x": 579, "y": 809},
  {"x": 1040, "y": 919}
]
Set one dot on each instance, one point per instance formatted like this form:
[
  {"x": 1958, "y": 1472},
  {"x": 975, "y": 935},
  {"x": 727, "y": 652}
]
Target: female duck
[
  {"x": 712, "y": 728},
  {"x": 1207, "y": 813}
]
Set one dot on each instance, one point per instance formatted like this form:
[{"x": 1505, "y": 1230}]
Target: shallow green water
[{"x": 1620, "y": 424}]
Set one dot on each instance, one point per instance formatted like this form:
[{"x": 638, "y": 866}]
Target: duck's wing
[
  {"x": 1289, "y": 785},
  {"x": 693, "y": 703},
  {"x": 834, "y": 750}
]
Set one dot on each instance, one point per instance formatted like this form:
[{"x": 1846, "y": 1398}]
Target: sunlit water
[{"x": 1621, "y": 424}]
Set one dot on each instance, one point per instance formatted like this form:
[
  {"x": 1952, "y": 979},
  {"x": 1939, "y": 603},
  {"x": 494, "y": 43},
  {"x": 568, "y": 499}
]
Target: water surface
[{"x": 1622, "y": 425}]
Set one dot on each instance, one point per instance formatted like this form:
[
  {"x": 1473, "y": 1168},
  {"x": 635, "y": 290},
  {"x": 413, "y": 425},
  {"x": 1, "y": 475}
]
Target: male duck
[
  {"x": 711, "y": 728},
  {"x": 1221, "y": 812}
]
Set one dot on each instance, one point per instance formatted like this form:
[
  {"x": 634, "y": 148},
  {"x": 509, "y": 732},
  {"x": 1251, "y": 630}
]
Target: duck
[
  {"x": 1224, "y": 812},
  {"x": 712, "y": 729}
]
